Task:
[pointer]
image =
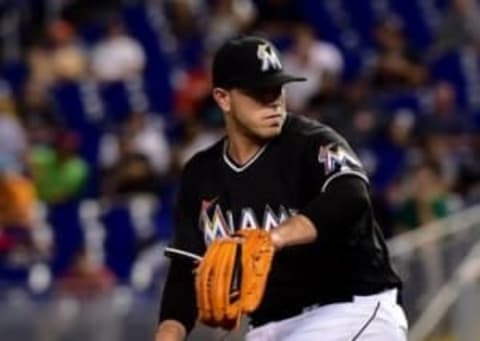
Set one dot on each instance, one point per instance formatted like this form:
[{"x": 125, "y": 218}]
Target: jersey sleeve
[
  {"x": 187, "y": 239},
  {"x": 328, "y": 157},
  {"x": 336, "y": 185}
]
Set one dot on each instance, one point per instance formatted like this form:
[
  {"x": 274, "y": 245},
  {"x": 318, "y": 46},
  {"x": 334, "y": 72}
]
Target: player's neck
[{"x": 241, "y": 148}]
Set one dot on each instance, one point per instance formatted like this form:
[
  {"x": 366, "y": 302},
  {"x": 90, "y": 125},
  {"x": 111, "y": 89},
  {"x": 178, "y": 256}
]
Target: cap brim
[{"x": 273, "y": 81}]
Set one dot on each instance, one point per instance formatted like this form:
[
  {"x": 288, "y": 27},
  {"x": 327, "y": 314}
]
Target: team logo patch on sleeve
[{"x": 335, "y": 158}]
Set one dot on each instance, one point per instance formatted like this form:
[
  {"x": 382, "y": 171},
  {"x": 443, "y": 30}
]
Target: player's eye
[{"x": 264, "y": 95}]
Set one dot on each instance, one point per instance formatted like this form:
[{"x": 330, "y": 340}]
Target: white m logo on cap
[{"x": 268, "y": 57}]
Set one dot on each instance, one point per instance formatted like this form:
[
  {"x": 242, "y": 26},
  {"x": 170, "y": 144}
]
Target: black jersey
[{"x": 219, "y": 196}]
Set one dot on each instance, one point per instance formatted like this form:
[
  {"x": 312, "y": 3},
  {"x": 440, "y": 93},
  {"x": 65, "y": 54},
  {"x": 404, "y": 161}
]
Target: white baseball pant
[{"x": 368, "y": 318}]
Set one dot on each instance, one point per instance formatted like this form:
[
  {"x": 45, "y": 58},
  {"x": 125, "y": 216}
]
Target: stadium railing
[{"x": 440, "y": 266}]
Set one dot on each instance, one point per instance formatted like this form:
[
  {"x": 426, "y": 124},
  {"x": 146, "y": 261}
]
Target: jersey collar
[{"x": 236, "y": 167}]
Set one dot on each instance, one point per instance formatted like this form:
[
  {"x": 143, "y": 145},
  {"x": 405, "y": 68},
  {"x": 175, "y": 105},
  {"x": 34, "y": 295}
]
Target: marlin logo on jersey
[
  {"x": 216, "y": 223},
  {"x": 335, "y": 158},
  {"x": 268, "y": 57}
]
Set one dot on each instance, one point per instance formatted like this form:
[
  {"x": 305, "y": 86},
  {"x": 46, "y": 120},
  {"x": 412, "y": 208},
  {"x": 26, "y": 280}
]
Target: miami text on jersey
[{"x": 216, "y": 223}]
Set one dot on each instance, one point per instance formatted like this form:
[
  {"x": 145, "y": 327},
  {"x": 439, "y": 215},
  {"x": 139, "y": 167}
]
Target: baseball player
[{"x": 275, "y": 222}]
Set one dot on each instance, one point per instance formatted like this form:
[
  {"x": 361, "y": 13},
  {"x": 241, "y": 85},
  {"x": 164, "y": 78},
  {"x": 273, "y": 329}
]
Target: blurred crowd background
[{"x": 102, "y": 103}]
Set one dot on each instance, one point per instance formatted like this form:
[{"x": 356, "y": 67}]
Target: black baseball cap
[{"x": 249, "y": 62}]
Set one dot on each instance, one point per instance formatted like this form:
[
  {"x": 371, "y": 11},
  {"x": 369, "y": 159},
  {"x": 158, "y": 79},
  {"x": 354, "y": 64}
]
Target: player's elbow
[{"x": 353, "y": 205}]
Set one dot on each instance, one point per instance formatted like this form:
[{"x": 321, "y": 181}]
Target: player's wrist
[
  {"x": 296, "y": 230},
  {"x": 277, "y": 240}
]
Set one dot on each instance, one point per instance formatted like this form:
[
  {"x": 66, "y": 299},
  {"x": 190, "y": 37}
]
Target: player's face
[{"x": 259, "y": 112}]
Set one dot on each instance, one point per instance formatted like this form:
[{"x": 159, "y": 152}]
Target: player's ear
[{"x": 223, "y": 98}]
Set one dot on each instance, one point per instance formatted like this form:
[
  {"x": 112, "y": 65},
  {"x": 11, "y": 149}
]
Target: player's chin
[{"x": 270, "y": 131}]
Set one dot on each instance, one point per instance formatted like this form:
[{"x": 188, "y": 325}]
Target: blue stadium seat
[
  {"x": 416, "y": 27},
  {"x": 15, "y": 74},
  {"x": 91, "y": 33},
  {"x": 164, "y": 216},
  {"x": 449, "y": 68},
  {"x": 120, "y": 241},
  {"x": 392, "y": 102},
  {"x": 317, "y": 15},
  {"x": 69, "y": 102},
  {"x": 362, "y": 19},
  {"x": 12, "y": 275},
  {"x": 442, "y": 4},
  {"x": 354, "y": 64},
  {"x": 157, "y": 72},
  {"x": 68, "y": 234},
  {"x": 115, "y": 100}
]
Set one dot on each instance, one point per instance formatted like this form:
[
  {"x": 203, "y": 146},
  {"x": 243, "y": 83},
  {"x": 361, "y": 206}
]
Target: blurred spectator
[
  {"x": 392, "y": 150},
  {"x": 460, "y": 26},
  {"x": 17, "y": 207},
  {"x": 137, "y": 158},
  {"x": 437, "y": 147},
  {"x": 226, "y": 19},
  {"x": 444, "y": 129},
  {"x": 59, "y": 172},
  {"x": 17, "y": 194},
  {"x": 444, "y": 116},
  {"x": 191, "y": 89},
  {"x": 469, "y": 173},
  {"x": 276, "y": 17},
  {"x": 188, "y": 22},
  {"x": 17, "y": 199},
  {"x": 198, "y": 133},
  {"x": 117, "y": 56},
  {"x": 60, "y": 57},
  {"x": 83, "y": 13},
  {"x": 40, "y": 66},
  {"x": 318, "y": 61},
  {"x": 143, "y": 134},
  {"x": 184, "y": 18},
  {"x": 349, "y": 110},
  {"x": 130, "y": 174},
  {"x": 68, "y": 58},
  {"x": 37, "y": 113},
  {"x": 426, "y": 198},
  {"x": 396, "y": 66},
  {"x": 86, "y": 278},
  {"x": 13, "y": 140}
]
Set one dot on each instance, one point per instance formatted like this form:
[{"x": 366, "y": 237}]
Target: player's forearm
[
  {"x": 170, "y": 330},
  {"x": 178, "y": 299},
  {"x": 335, "y": 213},
  {"x": 330, "y": 215},
  {"x": 295, "y": 230}
]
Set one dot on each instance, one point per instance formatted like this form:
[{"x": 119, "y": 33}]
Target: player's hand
[{"x": 170, "y": 330}]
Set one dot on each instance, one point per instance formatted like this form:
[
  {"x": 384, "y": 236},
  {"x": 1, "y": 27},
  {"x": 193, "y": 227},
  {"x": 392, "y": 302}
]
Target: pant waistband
[
  {"x": 390, "y": 295},
  {"x": 297, "y": 310}
]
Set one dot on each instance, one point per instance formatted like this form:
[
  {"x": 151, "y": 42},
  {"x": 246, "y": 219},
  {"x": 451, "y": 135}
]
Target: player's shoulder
[
  {"x": 205, "y": 158},
  {"x": 299, "y": 127}
]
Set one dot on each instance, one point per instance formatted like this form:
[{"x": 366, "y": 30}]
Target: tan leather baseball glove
[{"x": 230, "y": 279}]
